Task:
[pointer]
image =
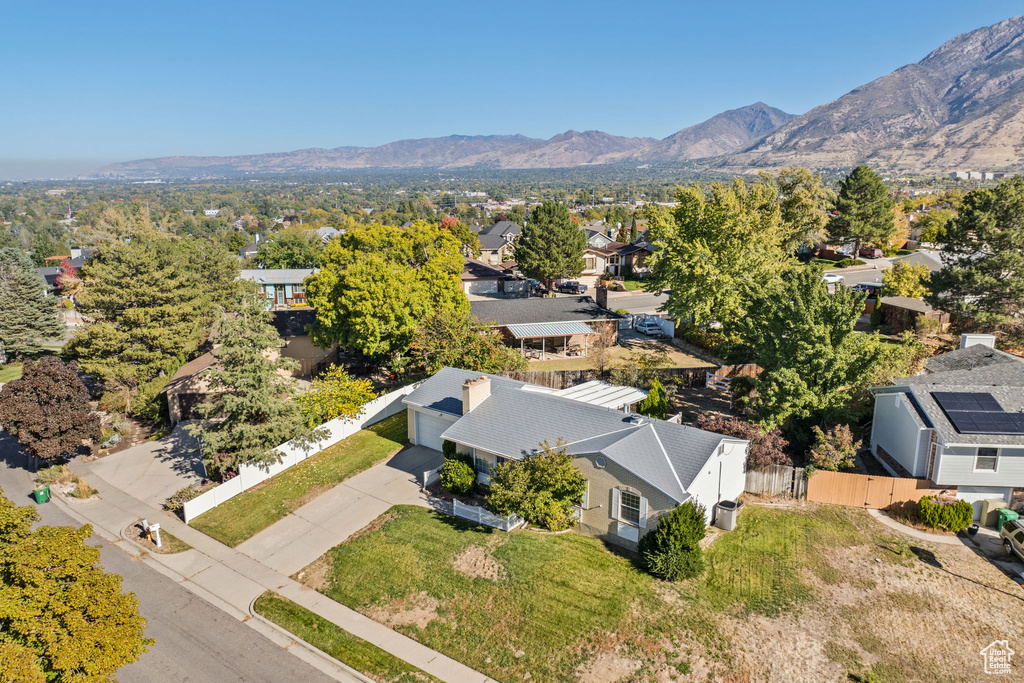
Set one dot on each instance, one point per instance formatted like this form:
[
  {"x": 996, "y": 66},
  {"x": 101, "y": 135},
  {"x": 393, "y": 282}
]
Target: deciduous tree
[
  {"x": 27, "y": 314},
  {"x": 767, "y": 446},
  {"x": 541, "y": 488},
  {"x": 335, "y": 394},
  {"x": 717, "y": 253},
  {"x": 449, "y": 339},
  {"x": 550, "y": 246},
  {"x": 64, "y": 618},
  {"x": 290, "y": 249},
  {"x": 982, "y": 276},
  {"x": 906, "y": 280},
  {"x": 835, "y": 449},
  {"x": 804, "y": 202},
  {"x": 48, "y": 409}
]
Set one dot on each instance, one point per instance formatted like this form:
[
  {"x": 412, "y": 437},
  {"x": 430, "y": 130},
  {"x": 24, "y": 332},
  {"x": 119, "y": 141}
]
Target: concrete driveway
[
  {"x": 304, "y": 535},
  {"x": 154, "y": 470}
]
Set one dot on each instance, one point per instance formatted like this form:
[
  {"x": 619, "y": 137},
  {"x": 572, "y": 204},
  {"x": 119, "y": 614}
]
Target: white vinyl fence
[
  {"x": 479, "y": 515},
  {"x": 430, "y": 476},
  {"x": 337, "y": 429}
]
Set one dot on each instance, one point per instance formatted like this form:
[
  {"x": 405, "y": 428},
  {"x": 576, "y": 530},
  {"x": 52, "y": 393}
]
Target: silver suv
[{"x": 1013, "y": 537}]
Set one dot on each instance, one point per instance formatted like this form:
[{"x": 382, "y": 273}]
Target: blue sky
[{"x": 120, "y": 80}]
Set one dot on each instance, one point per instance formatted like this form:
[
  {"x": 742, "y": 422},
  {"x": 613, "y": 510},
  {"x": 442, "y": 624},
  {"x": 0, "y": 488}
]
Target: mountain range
[{"x": 962, "y": 106}]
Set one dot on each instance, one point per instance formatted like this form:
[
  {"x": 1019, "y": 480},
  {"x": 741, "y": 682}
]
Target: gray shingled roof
[
  {"x": 443, "y": 391},
  {"x": 494, "y": 236},
  {"x": 534, "y": 310},
  {"x": 976, "y": 369},
  {"x": 513, "y": 424},
  {"x": 276, "y": 276}
]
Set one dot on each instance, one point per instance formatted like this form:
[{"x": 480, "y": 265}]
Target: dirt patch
[
  {"x": 417, "y": 610},
  {"x": 477, "y": 563},
  {"x": 168, "y": 543},
  {"x": 318, "y": 574},
  {"x": 372, "y": 526},
  {"x": 607, "y": 667}
]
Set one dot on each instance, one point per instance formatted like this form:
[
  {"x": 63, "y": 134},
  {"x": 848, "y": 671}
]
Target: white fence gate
[
  {"x": 291, "y": 455},
  {"x": 477, "y": 514}
]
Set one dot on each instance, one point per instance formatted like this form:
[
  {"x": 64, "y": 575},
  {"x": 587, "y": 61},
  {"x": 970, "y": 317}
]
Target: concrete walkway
[
  {"x": 232, "y": 580},
  {"x": 911, "y": 531},
  {"x": 304, "y": 535}
]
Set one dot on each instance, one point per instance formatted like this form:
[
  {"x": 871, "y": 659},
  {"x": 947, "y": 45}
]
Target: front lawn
[
  {"x": 245, "y": 515},
  {"x": 352, "y": 650},
  {"x": 10, "y": 372},
  {"x": 826, "y": 584}
]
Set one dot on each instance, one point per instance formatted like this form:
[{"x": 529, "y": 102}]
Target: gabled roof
[
  {"x": 513, "y": 423},
  {"x": 473, "y": 269},
  {"x": 534, "y": 310},
  {"x": 907, "y": 304},
  {"x": 495, "y": 236},
  {"x": 443, "y": 391},
  {"x": 925, "y": 257},
  {"x": 189, "y": 370},
  {"x": 971, "y": 358},
  {"x": 276, "y": 276}
]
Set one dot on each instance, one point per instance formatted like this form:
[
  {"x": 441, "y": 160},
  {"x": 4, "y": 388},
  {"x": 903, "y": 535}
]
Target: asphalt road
[
  {"x": 638, "y": 303},
  {"x": 195, "y": 641}
]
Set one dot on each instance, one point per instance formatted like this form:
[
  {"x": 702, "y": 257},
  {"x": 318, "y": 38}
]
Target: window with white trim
[
  {"x": 986, "y": 460},
  {"x": 629, "y": 507}
]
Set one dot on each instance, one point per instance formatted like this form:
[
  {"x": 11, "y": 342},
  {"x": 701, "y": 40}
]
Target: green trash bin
[
  {"x": 42, "y": 495},
  {"x": 1006, "y": 515}
]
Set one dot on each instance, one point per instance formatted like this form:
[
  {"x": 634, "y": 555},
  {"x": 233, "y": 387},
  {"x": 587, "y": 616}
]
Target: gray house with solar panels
[{"x": 959, "y": 424}]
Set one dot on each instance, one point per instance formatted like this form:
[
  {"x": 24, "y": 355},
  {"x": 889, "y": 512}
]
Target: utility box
[
  {"x": 989, "y": 514},
  {"x": 727, "y": 511}
]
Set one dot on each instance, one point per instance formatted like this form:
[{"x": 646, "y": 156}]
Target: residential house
[
  {"x": 482, "y": 279},
  {"x": 902, "y": 312},
  {"x": 188, "y": 387},
  {"x": 929, "y": 258},
  {"x": 959, "y": 424},
  {"x": 49, "y": 273},
  {"x": 280, "y": 287},
  {"x": 327, "y": 233},
  {"x": 249, "y": 250},
  {"x": 497, "y": 242},
  {"x": 538, "y": 327},
  {"x": 637, "y": 468},
  {"x": 293, "y": 327}
]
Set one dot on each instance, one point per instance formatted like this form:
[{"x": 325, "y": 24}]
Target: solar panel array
[{"x": 978, "y": 413}]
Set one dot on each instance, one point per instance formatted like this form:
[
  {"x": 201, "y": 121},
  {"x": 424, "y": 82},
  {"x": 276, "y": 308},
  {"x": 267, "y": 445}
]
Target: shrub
[
  {"x": 457, "y": 476},
  {"x": 877, "y": 318},
  {"x": 58, "y": 474},
  {"x": 149, "y": 403},
  {"x": 656, "y": 402},
  {"x": 178, "y": 499},
  {"x": 766, "y": 448},
  {"x": 949, "y": 516},
  {"x": 848, "y": 263},
  {"x": 620, "y": 311},
  {"x": 835, "y": 449},
  {"x": 122, "y": 427},
  {"x": 542, "y": 488},
  {"x": 82, "y": 490},
  {"x": 448, "y": 449},
  {"x": 672, "y": 550}
]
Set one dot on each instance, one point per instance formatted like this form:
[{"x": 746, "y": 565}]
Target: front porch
[{"x": 553, "y": 341}]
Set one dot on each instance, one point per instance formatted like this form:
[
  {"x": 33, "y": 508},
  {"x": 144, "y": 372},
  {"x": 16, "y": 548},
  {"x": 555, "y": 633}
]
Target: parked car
[
  {"x": 536, "y": 287},
  {"x": 870, "y": 252},
  {"x": 650, "y": 328},
  {"x": 1013, "y": 537},
  {"x": 572, "y": 287},
  {"x": 872, "y": 288},
  {"x": 833, "y": 279}
]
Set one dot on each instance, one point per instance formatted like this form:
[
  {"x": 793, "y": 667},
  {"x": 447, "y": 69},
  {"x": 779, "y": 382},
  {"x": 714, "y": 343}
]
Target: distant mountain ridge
[
  {"x": 962, "y": 106},
  {"x": 727, "y": 132}
]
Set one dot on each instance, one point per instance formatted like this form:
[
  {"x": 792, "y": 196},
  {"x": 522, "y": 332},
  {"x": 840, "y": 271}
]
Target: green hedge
[{"x": 949, "y": 516}]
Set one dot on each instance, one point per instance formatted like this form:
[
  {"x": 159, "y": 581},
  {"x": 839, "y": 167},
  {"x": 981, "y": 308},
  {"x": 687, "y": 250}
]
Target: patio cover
[
  {"x": 600, "y": 393},
  {"x": 534, "y": 330}
]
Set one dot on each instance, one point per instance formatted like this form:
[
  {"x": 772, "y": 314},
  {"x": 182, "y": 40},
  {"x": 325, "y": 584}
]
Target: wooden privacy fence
[
  {"x": 866, "y": 491},
  {"x": 777, "y": 480}
]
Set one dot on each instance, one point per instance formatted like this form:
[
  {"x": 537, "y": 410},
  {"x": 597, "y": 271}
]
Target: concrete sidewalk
[
  {"x": 304, "y": 535},
  {"x": 232, "y": 580}
]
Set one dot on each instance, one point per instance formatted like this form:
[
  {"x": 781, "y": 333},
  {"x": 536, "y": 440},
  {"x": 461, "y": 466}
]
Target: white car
[
  {"x": 650, "y": 328},
  {"x": 833, "y": 279}
]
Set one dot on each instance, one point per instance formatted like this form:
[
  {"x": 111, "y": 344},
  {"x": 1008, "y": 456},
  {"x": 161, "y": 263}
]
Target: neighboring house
[
  {"x": 281, "y": 287},
  {"x": 480, "y": 278},
  {"x": 597, "y": 238},
  {"x": 929, "y": 258},
  {"x": 538, "y": 327},
  {"x": 293, "y": 327},
  {"x": 637, "y": 468},
  {"x": 959, "y": 424},
  {"x": 249, "y": 249},
  {"x": 188, "y": 388},
  {"x": 902, "y": 312},
  {"x": 49, "y": 273},
  {"x": 497, "y": 242},
  {"x": 327, "y": 233}
]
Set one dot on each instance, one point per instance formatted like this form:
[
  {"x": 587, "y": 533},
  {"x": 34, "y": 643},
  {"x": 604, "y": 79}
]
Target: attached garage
[
  {"x": 482, "y": 287},
  {"x": 429, "y": 427}
]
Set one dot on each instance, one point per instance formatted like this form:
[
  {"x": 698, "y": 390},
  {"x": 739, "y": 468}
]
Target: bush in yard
[
  {"x": 766, "y": 447},
  {"x": 335, "y": 394},
  {"x": 949, "y": 516},
  {"x": 656, "y": 402},
  {"x": 457, "y": 476},
  {"x": 835, "y": 449},
  {"x": 542, "y": 488},
  {"x": 178, "y": 499},
  {"x": 672, "y": 549}
]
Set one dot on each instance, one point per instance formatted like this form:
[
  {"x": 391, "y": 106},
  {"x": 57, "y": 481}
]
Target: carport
[{"x": 528, "y": 335}]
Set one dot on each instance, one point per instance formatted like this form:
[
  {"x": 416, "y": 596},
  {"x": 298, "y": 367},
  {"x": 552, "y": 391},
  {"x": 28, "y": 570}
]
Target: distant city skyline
[{"x": 90, "y": 84}]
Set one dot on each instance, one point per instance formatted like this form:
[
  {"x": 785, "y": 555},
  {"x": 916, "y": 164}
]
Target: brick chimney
[
  {"x": 601, "y": 297},
  {"x": 474, "y": 392}
]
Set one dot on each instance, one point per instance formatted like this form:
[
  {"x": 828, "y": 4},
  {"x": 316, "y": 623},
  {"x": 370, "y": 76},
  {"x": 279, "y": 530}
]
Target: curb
[{"x": 318, "y": 658}]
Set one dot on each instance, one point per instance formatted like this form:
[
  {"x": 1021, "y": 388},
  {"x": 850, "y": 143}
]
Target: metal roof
[
  {"x": 564, "y": 329},
  {"x": 603, "y": 394}
]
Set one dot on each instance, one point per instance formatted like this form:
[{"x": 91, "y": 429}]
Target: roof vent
[{"x": 635, "y": 419}]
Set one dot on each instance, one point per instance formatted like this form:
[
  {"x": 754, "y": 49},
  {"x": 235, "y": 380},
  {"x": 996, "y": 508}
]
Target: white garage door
[
  {"x": 976, "y": 494},
  {"x": 483, "y": 287},
  {"x": 429, "y": 429}
]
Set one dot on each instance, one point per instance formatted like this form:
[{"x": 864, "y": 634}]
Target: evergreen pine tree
[
  {"x": 27, "y": 314},
  {"x": 633, "y": 232},
  {"x": 864, "y": 209},
  {"x": 550, "y": 246}
]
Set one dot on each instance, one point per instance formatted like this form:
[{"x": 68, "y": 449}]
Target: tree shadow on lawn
[{"x": 928, "y": 557}]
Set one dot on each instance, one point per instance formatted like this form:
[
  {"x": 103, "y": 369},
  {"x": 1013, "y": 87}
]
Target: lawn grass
[
  {"x": 245, "y": 515},
  {"x": 565, "y": 597},
  {"x": 362, "y": 656},
  {"x": 633, "y": 285},
  {"x": 10, "y": 372}
]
